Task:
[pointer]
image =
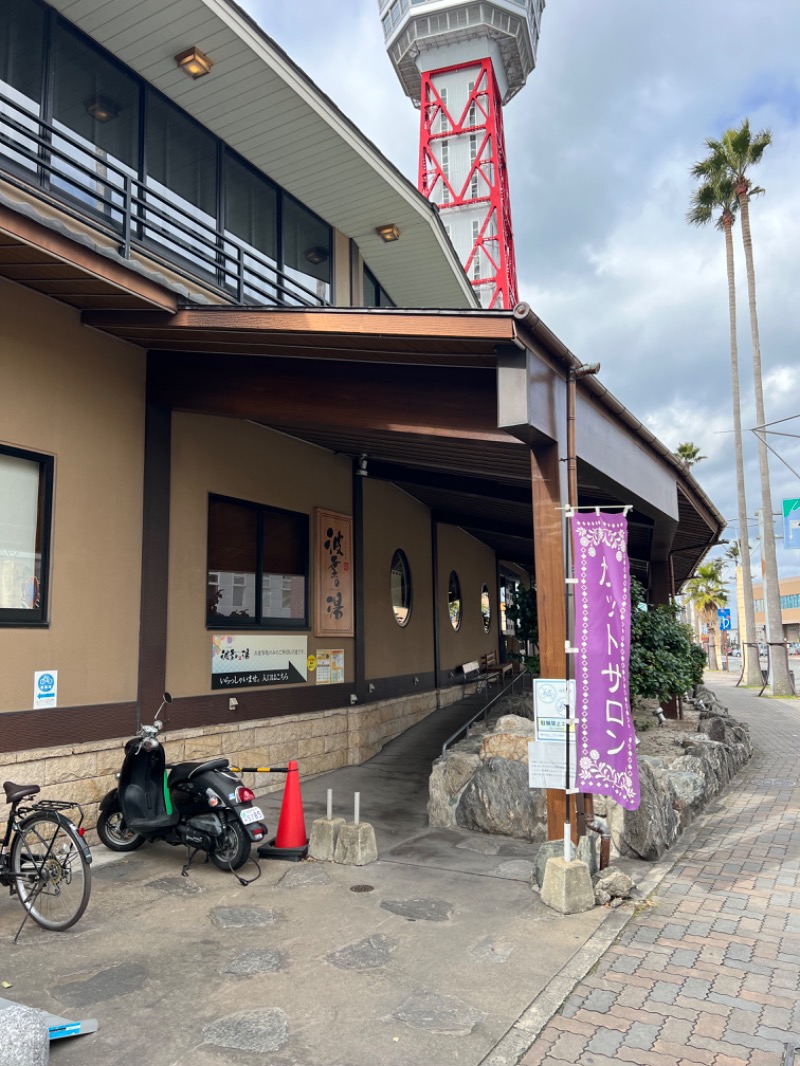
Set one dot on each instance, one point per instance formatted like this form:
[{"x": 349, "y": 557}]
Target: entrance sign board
[{"x": 245, "y": 660}]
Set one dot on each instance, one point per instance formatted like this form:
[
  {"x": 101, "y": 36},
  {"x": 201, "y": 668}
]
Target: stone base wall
[{"x": 328, "y": 740}]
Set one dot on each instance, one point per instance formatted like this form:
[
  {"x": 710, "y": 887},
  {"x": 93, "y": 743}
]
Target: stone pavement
[{"x": 707, "y": 972}]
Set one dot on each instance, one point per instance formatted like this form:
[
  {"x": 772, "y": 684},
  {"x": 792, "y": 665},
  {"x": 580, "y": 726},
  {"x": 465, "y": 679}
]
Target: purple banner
[{"x": 606, "y": 743}]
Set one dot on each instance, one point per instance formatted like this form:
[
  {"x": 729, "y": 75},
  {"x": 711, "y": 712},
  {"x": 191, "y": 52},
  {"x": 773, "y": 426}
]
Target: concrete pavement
[{"x": 439, "y": 953}]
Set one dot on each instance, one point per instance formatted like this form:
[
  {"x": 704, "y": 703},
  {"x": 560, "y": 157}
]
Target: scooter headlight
[{"x": 149, "y": 743}]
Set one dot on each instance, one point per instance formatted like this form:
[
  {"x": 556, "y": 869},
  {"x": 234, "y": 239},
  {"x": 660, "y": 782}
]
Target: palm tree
[
  {"x": 733, "y": 157},
  {"x": 706, "y": 592},
  {"x": 716, "y": 196},
  {"x": 689, "y": 454}
]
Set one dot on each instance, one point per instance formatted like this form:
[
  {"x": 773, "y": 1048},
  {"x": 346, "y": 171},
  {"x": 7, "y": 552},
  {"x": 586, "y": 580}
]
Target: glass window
[
  {"x": 251, "y": 216},
  {"x": 21, "y": 52},
  {"x": 306, "y": 253},
  {"x": 26, "y": 489},
  {"x": 486, "y": 609},
  {"x": 257, "y": 565},
  {"x": 21, "y": 47},
  {"x": 374, "y": 293},
  {"x": 454, "y": 600},
  {"x": 181, "y": 163},
  {"x": 401, "y": 587},
  {"x": 96, "y": 106}
]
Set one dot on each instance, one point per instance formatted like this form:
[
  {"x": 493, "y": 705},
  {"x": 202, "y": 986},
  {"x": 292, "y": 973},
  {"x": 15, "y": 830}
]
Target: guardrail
[
  {"x": 484, "y": 711},
  {"x": 53, "y": 164}
]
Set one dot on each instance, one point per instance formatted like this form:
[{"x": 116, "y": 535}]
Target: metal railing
[
  {"x": 484, "y": 711},
  {"x": 100, "y": 192}
]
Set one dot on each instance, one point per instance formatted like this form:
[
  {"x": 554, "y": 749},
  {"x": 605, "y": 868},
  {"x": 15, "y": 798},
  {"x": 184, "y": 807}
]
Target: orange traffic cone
[{"x": 291, "y": 840}]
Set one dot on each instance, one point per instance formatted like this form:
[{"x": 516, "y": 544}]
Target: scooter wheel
[
  {"x": 234, "y": 849},
  {"x": 114, "y": 833}
]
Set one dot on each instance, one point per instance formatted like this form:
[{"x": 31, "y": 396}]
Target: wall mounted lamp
[
  {"x": 194, "y": 62},
  {"x": 389, "y": 232},
  {"x": 361, "y": 469},
  {"x": 316, "y": 255},
  {"x": 101, "y": 109}
]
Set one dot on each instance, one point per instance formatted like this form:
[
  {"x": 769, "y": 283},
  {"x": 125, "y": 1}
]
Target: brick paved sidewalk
[{"x": 708, "y": 971}]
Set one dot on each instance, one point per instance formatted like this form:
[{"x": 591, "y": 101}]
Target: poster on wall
[
  {"x": 45, "y": 689},
  {"x": 330, "y": 666},
  {"x": 241, "y": 660},
  {"x": 334, "y": 609}
]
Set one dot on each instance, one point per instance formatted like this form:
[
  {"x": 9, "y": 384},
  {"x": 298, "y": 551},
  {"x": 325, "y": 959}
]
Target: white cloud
[{"x": 599, "y": 147}]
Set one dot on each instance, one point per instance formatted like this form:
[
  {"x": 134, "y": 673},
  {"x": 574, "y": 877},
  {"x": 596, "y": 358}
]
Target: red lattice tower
[{"x": 483, "y": 186}]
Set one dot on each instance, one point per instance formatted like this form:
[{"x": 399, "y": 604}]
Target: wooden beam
[
  {"x": 421, "y": 401},
  {"x": 65, "y": 250},
  {"x": 548, "y": 546},
  {"x": 491, "y": 326}
]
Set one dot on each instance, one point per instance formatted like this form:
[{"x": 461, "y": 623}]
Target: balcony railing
[{"x": 101, "y": 192}]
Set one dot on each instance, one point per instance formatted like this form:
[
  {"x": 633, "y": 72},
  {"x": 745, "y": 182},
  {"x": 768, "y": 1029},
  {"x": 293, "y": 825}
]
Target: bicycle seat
[{"x": 18, "y": 792}]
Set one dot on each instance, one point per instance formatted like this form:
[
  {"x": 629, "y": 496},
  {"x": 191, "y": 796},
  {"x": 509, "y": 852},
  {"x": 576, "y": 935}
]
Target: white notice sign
[{"x": 547, "y": 764}]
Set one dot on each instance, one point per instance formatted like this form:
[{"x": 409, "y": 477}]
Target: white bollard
[
  {"x": 330, "y": 804},
  {"x": 357, "y": 811}
]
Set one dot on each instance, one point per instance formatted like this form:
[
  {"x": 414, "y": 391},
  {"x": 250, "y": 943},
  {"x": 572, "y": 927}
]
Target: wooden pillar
[
  {"x": 548, "y": 548},
  {"x": 155, "y": 562}
]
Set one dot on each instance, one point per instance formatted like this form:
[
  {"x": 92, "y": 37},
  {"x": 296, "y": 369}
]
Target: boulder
[
  {"x": 507, "y": 746},
  {"x": 448, "y": 777},
  {"x": 498, "y": 800},
  {"x": 690, "y": 792},
  {"x": 513, "y": 723},
  {"x": 521, "y": 706},
  {"x": 612, "y": 884},
  {"x": 715, "y": 729},
  {"x": 650, "y": 831}
]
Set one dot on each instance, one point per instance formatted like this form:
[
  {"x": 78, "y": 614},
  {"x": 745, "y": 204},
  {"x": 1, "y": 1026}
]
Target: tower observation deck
[{"x": 460, "y": 61}]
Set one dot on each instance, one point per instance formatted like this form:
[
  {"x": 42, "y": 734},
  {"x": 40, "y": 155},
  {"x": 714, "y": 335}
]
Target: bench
[
  {"x": 494, "y": 671},
  {"x": 472, "y": 672}
]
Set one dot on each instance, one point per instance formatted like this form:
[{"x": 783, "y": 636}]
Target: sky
[{"x": 599, "y": 143}]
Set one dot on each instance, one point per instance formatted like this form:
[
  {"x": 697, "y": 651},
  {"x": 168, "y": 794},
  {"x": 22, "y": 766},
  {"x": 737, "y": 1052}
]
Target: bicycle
[{"x": 44, "y": 859}]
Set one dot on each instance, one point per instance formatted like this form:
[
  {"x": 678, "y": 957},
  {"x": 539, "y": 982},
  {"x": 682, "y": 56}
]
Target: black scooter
[{"x": 201, "y": 804}]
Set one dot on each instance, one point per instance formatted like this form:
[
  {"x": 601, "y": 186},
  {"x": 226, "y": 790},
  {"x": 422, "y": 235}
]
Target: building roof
[
  {"x": 263, "y": 105},
  {"x": 416, "y": 391}
]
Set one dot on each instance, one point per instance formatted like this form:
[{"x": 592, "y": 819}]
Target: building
[
  {"x": 259, "y": 445},
  {"x": 790, "y": 609},
  {"x": 460, "y": 62}
]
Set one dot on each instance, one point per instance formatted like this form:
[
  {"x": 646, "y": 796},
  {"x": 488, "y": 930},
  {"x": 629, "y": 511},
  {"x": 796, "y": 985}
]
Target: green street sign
[{"x": 791, "y": 523}]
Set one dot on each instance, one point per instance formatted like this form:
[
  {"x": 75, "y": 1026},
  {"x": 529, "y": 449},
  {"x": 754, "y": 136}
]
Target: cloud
[{"x": 599, "y": 146}]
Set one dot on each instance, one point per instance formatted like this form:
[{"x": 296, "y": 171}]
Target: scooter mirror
[{"x": 167, "y": 698}]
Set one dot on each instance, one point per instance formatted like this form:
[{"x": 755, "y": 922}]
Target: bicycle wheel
[{"x": 51, "y": 875}]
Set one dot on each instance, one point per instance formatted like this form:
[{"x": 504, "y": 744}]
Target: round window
[
  {"x": 454, "y": 600},
  {"x": 401, "y": 587},
  {"x": 486, "y": 609}
]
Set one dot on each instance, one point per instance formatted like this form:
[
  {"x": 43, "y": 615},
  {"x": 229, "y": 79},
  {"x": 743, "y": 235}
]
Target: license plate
[{"x": 250, "y": 815}]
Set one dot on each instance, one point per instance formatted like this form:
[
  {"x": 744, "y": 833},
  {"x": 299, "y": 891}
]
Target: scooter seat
[{"x": 185, "y": 771}]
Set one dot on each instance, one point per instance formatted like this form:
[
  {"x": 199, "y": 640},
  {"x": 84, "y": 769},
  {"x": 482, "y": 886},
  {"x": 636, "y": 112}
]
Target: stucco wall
[
  {"x": 248, "y": 462},
  {"x": 78, "y": 395},
  {"x": 392, "y": 520},
  {"x": 475, "y": 565}
]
